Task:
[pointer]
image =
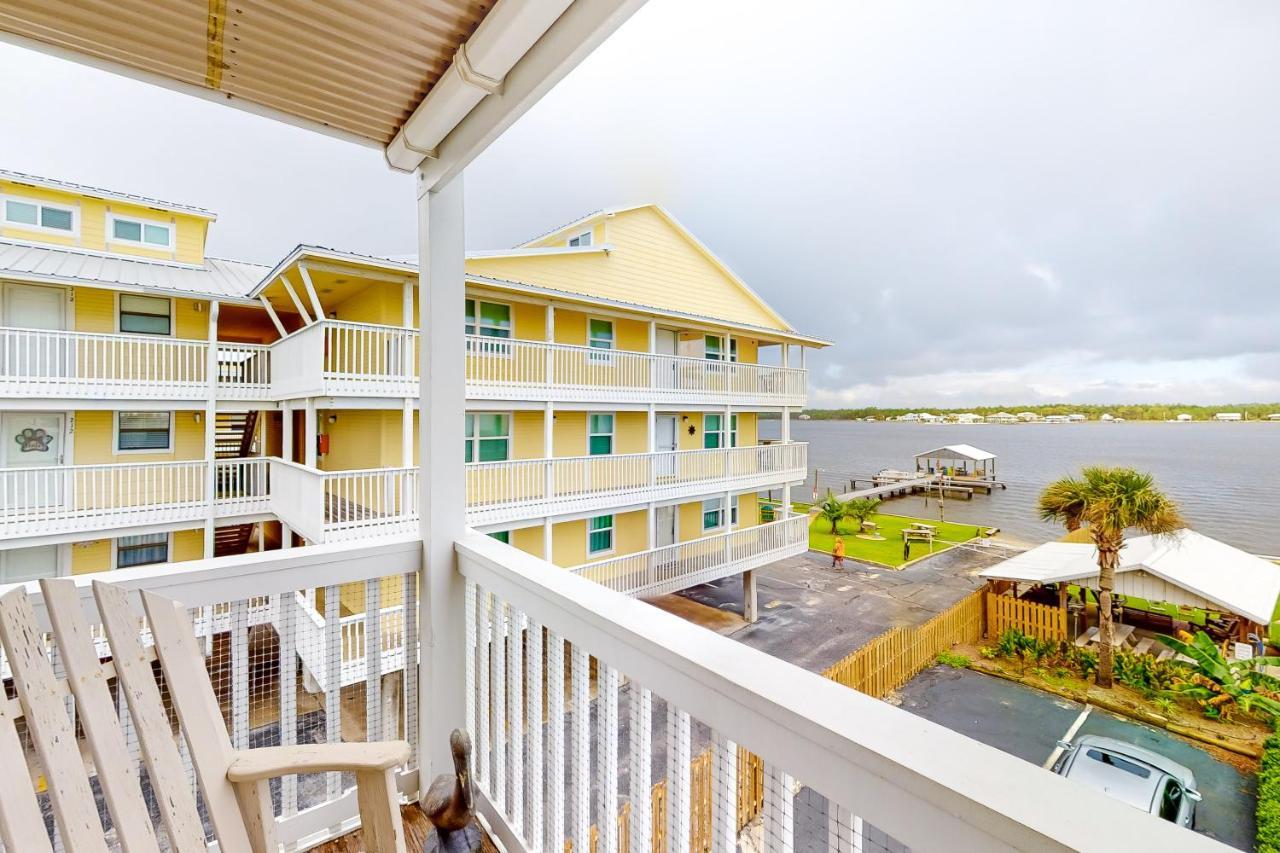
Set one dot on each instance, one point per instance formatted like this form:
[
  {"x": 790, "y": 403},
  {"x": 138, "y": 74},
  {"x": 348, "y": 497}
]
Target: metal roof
[
  {"x": 99, "y": 192},
  {"x": 215, "y": 279},
  {"x": 1215, "y": 571},
  {"x": 957, "y": 451}
]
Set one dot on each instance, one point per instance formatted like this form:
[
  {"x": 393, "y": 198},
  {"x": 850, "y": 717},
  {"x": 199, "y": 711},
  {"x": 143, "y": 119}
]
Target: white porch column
[
  {"x": 406, "y": 433},
  {"x": 651, "y": 425},
  {"x": 442, "y": 497},
  {"x": 309, "y": 433},
  {"x": 286, "y": 433},
  {"x": 210, "y": 427},
  {"x": 549, "y": 334}
]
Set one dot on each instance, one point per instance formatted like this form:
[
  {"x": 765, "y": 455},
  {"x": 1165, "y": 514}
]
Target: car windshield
[{"x": 1119, "y": 763}]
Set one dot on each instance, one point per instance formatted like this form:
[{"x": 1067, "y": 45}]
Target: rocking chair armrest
[{"x": 268, "y": 762}]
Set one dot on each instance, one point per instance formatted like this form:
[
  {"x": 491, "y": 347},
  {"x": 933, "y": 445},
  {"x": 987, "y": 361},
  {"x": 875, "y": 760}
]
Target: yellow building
[{"x": 159, "y": 405}]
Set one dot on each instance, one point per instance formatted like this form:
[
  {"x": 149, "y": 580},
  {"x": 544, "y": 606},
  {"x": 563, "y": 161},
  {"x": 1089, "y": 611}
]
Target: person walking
[{"x": 837, "y": 553}]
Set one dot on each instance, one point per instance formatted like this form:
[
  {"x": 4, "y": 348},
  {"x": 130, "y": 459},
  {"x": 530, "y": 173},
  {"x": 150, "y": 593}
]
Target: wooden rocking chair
[{"x": 234, "y": 783}]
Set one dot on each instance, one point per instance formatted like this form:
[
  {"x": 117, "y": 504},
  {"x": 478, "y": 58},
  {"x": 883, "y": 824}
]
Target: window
[
  {"x": 733, "y": 349},
  {"x": 488, "y": 437},
  {"x": 146, "y": 315},
  {"x": 712, "y": 431},
  {"x": 1119, "y": 763},
  {"x": 713, "y": 513},
  {"x": 714, "y": 348},
  {"x": 600, "y": 534},
  {"x": 144, "y": 432},
  {"x": 488, "y": 319},
  {"x": 599, "y": 435},
  {"x": 581, "y": 241},
  {"x": 733, "y": 430},
  {"x": 142, "y": 232},
  {"x": 600, "y": 334},
  {"x": 503, "y": 536},
  {"x": 142, "y": 550},
  {"x": 733, "y": 512},
  {"x": 40, "y": 216}
]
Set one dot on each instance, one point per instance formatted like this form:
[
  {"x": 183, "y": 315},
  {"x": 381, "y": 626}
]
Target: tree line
[{"x": 1128, "y": 411}]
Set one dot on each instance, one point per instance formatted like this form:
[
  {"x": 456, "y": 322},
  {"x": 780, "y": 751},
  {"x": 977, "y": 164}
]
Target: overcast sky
[{"x": 980, "y": 202}]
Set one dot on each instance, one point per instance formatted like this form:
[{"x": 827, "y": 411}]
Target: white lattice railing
[
  {"x": 499, "y": 491},
  {"x": 45, "y": 500},
  {"x": 47, "y": 363},
  {"x": 685, "y": 564},
  {"x": 667, "y": 736}
]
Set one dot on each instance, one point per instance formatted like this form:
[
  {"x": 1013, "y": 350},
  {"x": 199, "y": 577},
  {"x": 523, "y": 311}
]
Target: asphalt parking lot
[{"x": 1028, "y": 723}]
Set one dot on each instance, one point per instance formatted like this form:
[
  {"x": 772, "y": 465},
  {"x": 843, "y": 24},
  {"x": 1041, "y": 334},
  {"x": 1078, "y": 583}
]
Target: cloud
[{"x": 1045, "y": 276}]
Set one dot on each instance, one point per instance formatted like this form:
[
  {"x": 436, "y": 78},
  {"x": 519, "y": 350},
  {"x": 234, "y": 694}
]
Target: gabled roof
[
  {"x": 99, "y": 192},
  {"x": 957, "y": 451},
  {"x": 215, "y": 279},
  {"x": 1235, "y": 580},
  {"x": 305, "y": 251}
]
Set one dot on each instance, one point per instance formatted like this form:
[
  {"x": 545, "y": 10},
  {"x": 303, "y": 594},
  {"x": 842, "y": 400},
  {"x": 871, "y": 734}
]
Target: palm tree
[
  {"x": 1110, "y": 501},
  {"x": 861, "y": 509},
  {"x": 834, "y": 510}
]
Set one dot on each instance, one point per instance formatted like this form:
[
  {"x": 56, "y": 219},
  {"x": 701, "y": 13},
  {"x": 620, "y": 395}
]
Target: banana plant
[{"x": 1219, "y": 684}]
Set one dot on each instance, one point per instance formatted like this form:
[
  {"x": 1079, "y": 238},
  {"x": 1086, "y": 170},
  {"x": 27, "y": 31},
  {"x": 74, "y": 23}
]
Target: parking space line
[{"x": 1071, "y": 733}]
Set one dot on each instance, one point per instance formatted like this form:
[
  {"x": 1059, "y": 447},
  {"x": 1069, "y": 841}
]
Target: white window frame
[
  {"x": 728, "y": 348},
  {"x": 613, "y": 534},
  {"x": 115, "y": 433},
  {"x": 170, "y": 227},
  {"x": 115, "y": 550},
  {"x": 511, "y": 312},
  {"x": 475, "y": 440},
  {"x": 576, "y": 241},
  {"x": 173, "y": 315},
  {"x": 37, "y": 227},
  {"x": 722, "y": 512},
  {"x": 602, "y": 355},
  {"x": 732, "y": 430},
  {"x": 613, "y": 432}
]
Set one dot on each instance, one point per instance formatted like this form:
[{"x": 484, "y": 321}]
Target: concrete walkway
[{"x": 812, "y": 615}]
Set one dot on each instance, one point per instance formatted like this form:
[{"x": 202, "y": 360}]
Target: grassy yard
[{"x": 889, "y": 551}]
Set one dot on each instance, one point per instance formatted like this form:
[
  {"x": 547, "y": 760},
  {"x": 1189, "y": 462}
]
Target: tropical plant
[
  {"x": 861, "y": 509},
  {"x": 1218, "y": 685},
  {"x": 954, "y": 660},
  {"x": 1109, "y": 501},
  {"x": 834, "y": 510}
]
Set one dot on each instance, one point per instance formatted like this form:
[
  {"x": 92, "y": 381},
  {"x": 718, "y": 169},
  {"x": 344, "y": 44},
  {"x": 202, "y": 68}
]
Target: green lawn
[{"x": 889, "y": 551}]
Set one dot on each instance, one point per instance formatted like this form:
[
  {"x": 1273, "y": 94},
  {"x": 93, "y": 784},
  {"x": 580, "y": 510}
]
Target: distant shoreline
[{"x": 1056, "y": 414}]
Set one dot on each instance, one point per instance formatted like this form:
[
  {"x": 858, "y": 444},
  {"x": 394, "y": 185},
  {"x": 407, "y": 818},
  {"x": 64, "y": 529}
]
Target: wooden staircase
[
  {"x": 233, "y": 439},
  {"x": 233, "y": 434}
]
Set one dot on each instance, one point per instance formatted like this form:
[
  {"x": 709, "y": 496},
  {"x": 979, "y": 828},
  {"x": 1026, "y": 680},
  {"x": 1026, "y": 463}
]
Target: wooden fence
[
  {"x": 1038, "y": 620},
  {"x": 898, "y": 655}
]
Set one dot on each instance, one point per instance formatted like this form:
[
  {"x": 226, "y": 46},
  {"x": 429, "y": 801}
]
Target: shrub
[
  {"x": 954, "y": 659},
  {"x": 1145, "y": 673},
  {"x": 1085, "y": 660},
  {"x": 1268, "y": 811}
]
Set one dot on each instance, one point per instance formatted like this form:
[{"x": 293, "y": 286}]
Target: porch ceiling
[{"x": 357, "y": 66}]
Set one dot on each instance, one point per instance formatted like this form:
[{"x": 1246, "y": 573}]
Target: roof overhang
[{"x": 432, "y": 80}]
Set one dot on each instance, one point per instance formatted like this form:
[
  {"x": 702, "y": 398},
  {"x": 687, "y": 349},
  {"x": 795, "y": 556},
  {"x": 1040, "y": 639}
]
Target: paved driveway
[{"x": 1028, "y": 723}]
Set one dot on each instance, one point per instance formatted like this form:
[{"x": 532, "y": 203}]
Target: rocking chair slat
[
  {"x": 21, "y": 827},
  {"x": 53, "y": 736},
  {"x": 241, "y": 815},
  {"x": 116, "y": 772},
  {"x": 159, "y": 749}
]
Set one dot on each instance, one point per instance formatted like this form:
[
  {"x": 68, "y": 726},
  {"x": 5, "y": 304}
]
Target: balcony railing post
[
  {"x": 210, "y": 427},
  {"x": 442, "y": 521}
]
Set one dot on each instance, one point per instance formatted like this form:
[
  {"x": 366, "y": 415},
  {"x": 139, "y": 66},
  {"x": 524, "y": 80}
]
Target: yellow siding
[
  {"x": 87, "y": 557},
  {"x": 528, "y": 539},
  {"x": 653, "y": 262},
  {"x": 748, "y": 509},
  {"x": 526, "y": 437},
  {"x": 748, "y": 429},
  {"x": 690, "y": 523},
  {"x": 95, "y": 433},
  {"x": 630, "y": 432},
  {"x": 96, "y": 311},
  {"x": 569, "y": 539},
  {"x": 361, "y": 438},
  {"x": 571, "y": 327},
  {"x": 187, "y": 545},
  {"x": 569, "y": 435},
  {"x": 529, "y": 322},
  {"x": 190, "y": 231},
  {"x": 381, "y": 303}
]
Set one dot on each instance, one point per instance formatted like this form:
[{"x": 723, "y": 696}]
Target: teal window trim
[
  {"x": 712, "y": 514},
  {"x": 600, "y": 433},
  {"x": 486, "y": 437},
  {"x": 600, "y": 534},
  {"x": 712, "y": 431}
]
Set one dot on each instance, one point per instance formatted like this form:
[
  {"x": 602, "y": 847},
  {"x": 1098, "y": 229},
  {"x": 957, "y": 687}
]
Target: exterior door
[
  {"x": 31, "y": 355},
  {"x": 665, "y": 441},
  {"x": 664, "y": 520},
  {"x": 31, "y": 440},
  {"x": 20, "y": 565}
]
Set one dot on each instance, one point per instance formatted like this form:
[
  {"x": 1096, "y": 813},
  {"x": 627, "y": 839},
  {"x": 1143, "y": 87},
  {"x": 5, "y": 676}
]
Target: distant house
[
  {"x": 1184, "y": 418},
  {"x": 968, "y": 418},
  {"x": 804, "y": 417},
  {"x": 909, "y": 417},
  {"x": 1107, "y": 418},
  {"x": 1228, "y": 416},
  {"x": 926, "y": 417},
  {"x": 1056, "y": 419},
  {"x": 1076, "y": 418},
  {"x": 1274, "y": 417},
  {"x": 1002, "y": 418},
  {"x": 1028, "y": 417}
]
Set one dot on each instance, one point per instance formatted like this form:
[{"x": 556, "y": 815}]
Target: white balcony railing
[
  {"x": 336, "y": 358},
  {"x": 57, "y": 499},
  {"x": 334, "y": 506},
  {"x": 745, "y": 743},
  {"x": 674, "y": 567},
  {"x": 501, "y": 491},
  {"x": 45, "y": 363}
]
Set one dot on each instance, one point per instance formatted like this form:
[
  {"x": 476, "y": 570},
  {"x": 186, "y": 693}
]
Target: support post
[
  {"x": 309, "y": 433},
  {"x": 271, "y": 312},
  {"x": 442, "y": 497},
  {"x": 750, "y": 611},
  {"x": 210, "y": 429},
  {"x": 286, "y": 434},
  {"x": 297, "y": 303},
  {"x": 406, "y": 433},
  {"x": 311, "y": 292}
]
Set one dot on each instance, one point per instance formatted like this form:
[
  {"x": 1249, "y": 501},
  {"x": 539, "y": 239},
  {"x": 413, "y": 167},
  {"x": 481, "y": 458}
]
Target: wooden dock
[{"x": 952, "y": 487}]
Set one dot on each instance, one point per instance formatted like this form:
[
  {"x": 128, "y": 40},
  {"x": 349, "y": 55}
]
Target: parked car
[{"x": 1133, "y": 775}]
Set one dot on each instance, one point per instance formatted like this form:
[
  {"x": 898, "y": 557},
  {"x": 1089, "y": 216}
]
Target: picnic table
[{"x": 1121, "y": 633}]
